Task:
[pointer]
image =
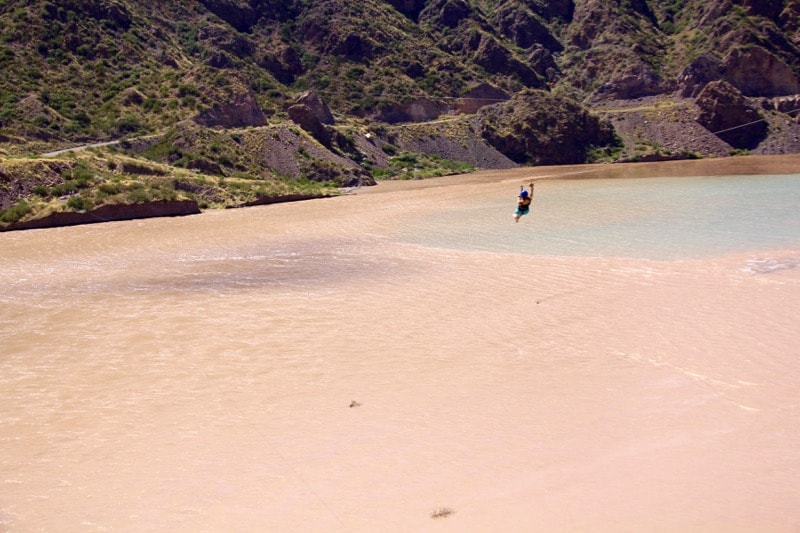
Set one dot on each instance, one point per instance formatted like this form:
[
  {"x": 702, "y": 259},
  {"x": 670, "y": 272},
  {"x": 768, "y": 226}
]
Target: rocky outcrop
[
  {"x": 418, "y": 110},
  {"x": 765, "y": 8},
  {"x": 521, "y": 26},
  {"x": 445, "y": 13},
  {"x": 784, "y": 104},
  {"x": 730, "y": 116},
  {"x": 108, "y": 213},
  {"x": 752, "y": 70},
  {"x": 409, "y": 8},
  {"x": 243, "y": 112},
  {"x": 542, "y": 61},
  {"x": 353, "y": 46},
  {"x": 221, "y": 37},
  {"x": 283, "y": 62},
  {"x": 495, "y": 58},
  {"x": 757, "y": 72},
  {"x": 552, "y": 9},
  {"x": 701, "y": 71},
  {"x": 240, "y": 15},
  {"x": 313, "y": 115},
  {"x": 590, "y": 20},
  {"x": 635, "y": 82},
  {"x": 536, "y": 127}
]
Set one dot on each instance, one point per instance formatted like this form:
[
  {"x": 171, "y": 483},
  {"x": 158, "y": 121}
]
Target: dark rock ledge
[
  {"x": 266, "y": 200},
  {"x": 109, "y": 213},
  {"x": 164, "y": 208}
]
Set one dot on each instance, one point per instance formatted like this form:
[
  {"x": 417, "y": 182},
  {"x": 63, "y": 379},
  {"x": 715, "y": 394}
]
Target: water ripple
[{"x": 769, "y": 265}]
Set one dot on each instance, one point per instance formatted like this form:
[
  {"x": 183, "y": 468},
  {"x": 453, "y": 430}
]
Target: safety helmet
[{"x": 524, "y": 194}]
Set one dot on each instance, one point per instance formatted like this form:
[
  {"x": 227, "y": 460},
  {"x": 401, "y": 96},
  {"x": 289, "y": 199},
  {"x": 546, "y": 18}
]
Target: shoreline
[{"x": 739, "y": 165}]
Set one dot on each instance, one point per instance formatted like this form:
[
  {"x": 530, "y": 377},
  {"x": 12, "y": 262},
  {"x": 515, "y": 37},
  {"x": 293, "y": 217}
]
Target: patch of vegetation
[
  {"x": 442, "y": 512},
  {"x": 605, "y": 154},
  {"x": 408, "y": 165},
  {"x": 102, "y": 178},
  {"x": 15, "y": 213}
]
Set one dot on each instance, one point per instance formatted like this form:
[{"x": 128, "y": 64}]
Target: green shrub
[
  {"x": 6, "y": 55},
  {"x": 109, "y": 188},
  {"x": 20, "y": 15},
  {"x": 79, "y": 203},
  {"x": 187, "y": 90},
  {"x": 41, "y": 190},
  {"x": 152, "y": 105},
  {"x": 406, "y": 158},
  {"x": 137, "y": 196},
  {"x": 15, "y": 213},
  {"x": 128, "y": 124},
  {"x": 81, "y": 174},
  {"x": 63, "y": 189}
]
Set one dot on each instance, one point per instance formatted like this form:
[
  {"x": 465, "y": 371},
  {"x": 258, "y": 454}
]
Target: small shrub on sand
[{"x": 442, "y": 512}]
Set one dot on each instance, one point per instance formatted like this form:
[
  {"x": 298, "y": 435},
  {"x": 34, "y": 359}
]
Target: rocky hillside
[{"x": 349, "y": 91}]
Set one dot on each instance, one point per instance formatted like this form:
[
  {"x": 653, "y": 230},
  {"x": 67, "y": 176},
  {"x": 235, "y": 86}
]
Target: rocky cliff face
[
  {"x": 725, "y": 112},
  {"x": 242, "y": 111},
  {"x": 365, "y": 56},
  {"x": 77, "y": 72}
]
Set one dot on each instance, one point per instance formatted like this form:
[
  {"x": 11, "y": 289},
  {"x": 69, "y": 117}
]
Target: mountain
[{"x": 339, "y": 91}]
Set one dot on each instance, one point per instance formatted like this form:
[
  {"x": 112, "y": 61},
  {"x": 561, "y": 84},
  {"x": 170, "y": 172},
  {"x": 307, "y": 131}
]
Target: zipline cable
[{"x": 749, "y": 123}]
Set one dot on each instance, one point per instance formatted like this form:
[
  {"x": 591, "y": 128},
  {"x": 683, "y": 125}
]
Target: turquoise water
[{"x": 649, "y": 218}]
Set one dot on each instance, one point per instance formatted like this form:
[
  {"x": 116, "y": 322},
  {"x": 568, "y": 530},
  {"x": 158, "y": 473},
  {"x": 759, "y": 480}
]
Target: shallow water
[
  {"x": 623, "y": 359},
  {"x": 649, "y": 218}
]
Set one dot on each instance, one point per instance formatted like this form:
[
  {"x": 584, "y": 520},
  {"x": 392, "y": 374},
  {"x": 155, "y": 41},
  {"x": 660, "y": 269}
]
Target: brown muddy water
[{"x": 407, "y": 358}]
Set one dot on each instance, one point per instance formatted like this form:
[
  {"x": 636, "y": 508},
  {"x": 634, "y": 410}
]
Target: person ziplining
[{"x": 523, "y": 203}]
